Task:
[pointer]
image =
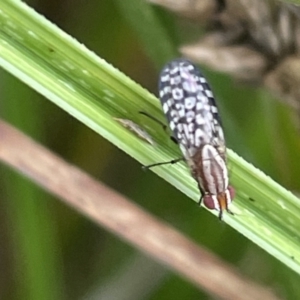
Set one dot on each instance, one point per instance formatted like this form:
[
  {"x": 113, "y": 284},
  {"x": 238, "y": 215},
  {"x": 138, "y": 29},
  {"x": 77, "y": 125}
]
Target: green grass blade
[{"x": 75, "y": 79}]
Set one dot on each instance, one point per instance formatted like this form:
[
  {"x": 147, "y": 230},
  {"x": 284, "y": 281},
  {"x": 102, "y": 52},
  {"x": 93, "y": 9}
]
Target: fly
[{"x": 189, "y": 105}]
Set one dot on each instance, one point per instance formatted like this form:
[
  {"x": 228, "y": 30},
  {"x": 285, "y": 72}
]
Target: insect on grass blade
[{"x": 192, "y": 114}]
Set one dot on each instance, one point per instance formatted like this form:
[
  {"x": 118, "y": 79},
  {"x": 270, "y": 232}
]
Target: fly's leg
[
  {"x": 164, "y": 126},
  {"x": 174, "y": 161}
]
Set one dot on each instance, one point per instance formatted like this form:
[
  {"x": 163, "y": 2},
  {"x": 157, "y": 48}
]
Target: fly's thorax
[{"x": 210, "y": 170}]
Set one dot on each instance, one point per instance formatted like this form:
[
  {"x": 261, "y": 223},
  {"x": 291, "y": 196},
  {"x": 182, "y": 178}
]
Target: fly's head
[{"x": 219, "y": 202}]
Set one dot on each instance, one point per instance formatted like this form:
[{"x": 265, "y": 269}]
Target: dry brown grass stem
[{"x": 113, "y": 211}]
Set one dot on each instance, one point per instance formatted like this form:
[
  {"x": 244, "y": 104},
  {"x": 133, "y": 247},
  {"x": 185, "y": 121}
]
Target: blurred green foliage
[{"x": 48, "y": 251}]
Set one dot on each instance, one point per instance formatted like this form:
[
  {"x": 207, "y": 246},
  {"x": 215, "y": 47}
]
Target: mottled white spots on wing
[
  {"x": 179, "y": 106},
  {"x": 172, "y": 125},
  {"x": 185, "y": 73},
  {"x": 173, "y": 113},
  {"x": 183, "y": 141},
  {"x": 164, "y": 72},
  {"x": 200, "y": 88},
  {"x": 174, "y": 70},
  {"x": 175, "y": 119},
  {"x": 209, "y": 93},
  {"x": 209, "y": 117},
  {"x": 190, "y": 116},
  {"x": 199, "y": 106},
  {"x": 169, "y": 102},
  {"x": 190, "y": 67},
  {"x": 181, "y": 113},
  {"x": 167, "y": 89},
  {"x": 214, "y": 109},
  {"x": 177, "y": 94},
  {"x": 191, "y": 127},
  {"x": 190, "y": 86},
  {"x": 202, "y": 98},
  {"x": 186, "y": 130},
  {"x": 210, "y": 129},
  {"x": 189, "y": 102},
  {"x": 198, "y": 137},
  {"x": 200, "y": 120},
  {"x": 191, "y": 139},
  {"x": 165, "y": 107},
  {"x": 207, "y": 107},
  {"x": 175, "y": 80},
  {"x": 180, "y": 127},
  {"x": 189, "y": 82},
  {"x": 165, "y": 77},
  {"x": 202, "y": 79}
]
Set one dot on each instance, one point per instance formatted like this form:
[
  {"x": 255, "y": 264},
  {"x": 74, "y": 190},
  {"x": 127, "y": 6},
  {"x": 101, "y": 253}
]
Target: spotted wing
[{"x": 189, "y": 105}]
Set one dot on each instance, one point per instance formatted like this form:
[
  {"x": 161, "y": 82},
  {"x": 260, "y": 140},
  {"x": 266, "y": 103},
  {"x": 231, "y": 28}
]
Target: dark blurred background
[{"x": 49, "y": 251}]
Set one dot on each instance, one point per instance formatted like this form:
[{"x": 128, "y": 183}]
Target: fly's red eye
[{"x": 210, "y": 202}]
